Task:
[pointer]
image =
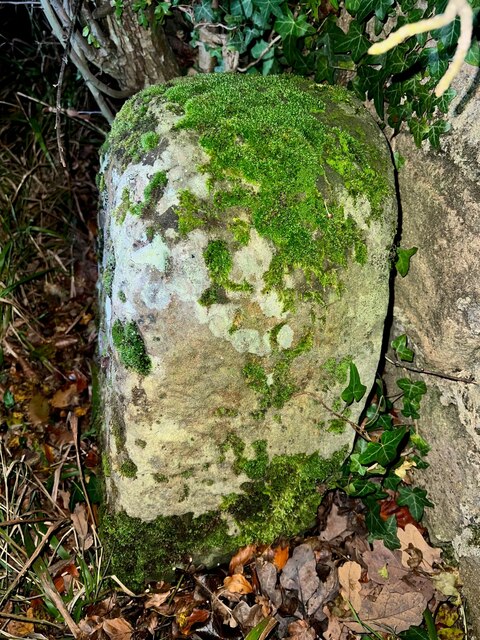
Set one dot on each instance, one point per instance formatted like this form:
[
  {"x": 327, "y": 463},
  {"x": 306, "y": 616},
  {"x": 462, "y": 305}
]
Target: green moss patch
[
  {"x": 280, "y": 498},
  {"x": 128, "y": 469},
  {"x": 149, "y": 140},
  {"x": 269, "y": 147},
  {"x": 131, "y": 347},
  {"x": 132, "y": 129}
]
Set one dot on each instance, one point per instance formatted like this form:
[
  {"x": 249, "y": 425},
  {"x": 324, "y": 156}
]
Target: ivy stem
[
  {"x": 357, "y": 428},
  {"x": 428, "y": 372}
]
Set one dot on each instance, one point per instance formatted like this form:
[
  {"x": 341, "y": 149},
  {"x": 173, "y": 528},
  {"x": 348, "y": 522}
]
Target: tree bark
[{"x": 121, "y": 57}]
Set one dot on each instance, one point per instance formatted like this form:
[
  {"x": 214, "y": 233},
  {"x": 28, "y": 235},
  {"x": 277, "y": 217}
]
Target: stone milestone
[{"x": 246, "y": 224}]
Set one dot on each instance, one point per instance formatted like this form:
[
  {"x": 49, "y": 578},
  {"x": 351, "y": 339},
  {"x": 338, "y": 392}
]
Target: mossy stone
[{"x": 251, "y": 236}]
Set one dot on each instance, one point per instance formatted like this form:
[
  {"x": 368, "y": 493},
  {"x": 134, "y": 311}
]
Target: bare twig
[
  {"x": 428, "y": 372},
  {"x": 264, "y": 52},
  {"x": 13, "y": 616},
  {"x": 54, "y": 596},
  {"x": 73, "y": 420},
  {"x": 357, "y": 428},
  {"x": 61, "y": 150}
]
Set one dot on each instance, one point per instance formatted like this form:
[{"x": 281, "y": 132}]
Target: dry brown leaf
[
  {"x": 248, "y": 617},
  {"x": 237, "y": 584},
  {"x": 447, "y": 582},
  {"x": 399, "y": 605},
  {"x": 118, "y": 629},
  {"x": 91, "y": 624},
  {"x": 300, "y": 573},
  {"x": 280, "y": 556},
  {"x": 349, "y": 576},
  {"x": 337, "y": 525},
  {"x": 38, "y": 409},
  {"x": 80, "y": 524},
  {"x": 63, "y": 398},
  {"x": 383, "y": 564},
  {"x": 336, "y": 629},
  {"x": 243, "y": 555},
  {"x": 157, "y": 599},
  {"x": 21, "y": 629},
  {"x": 411, "y": 539},
  {"x": 267, "y": 577},
  {"x": 300, "y": 631},
  {"x": 403, "y": 469},
  {"x": 186, "y": 622}
]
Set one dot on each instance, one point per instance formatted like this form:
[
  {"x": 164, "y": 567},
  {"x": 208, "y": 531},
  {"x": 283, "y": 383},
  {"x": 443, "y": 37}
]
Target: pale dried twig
[{"x": 455, "y": 8}]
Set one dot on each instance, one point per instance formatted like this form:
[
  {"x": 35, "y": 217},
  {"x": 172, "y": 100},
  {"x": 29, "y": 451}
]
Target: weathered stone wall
[
  {"x": 247, "y": 224},
  {"x": 438, "y": 306}
]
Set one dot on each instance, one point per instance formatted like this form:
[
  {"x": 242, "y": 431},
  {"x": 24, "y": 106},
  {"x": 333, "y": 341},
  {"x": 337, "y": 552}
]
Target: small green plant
[
  {"x": 381, "y": 459},
  {"x": 404, "y": 256},
  {"x": 131, "y": 347},
  {"x": 91, "y": 39}
]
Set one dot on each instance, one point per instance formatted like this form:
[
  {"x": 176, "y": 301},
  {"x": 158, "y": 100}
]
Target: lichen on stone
[
  {"x": 108, "y": 275},
  {"x": 276, "y": 388},
  {"x": 131, "y": 347}
]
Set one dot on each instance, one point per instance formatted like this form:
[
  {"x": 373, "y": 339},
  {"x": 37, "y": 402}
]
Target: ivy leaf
[
  {"x": 352, "y": 6},
  {"x": 382, "y": 8},
  {"x": 473, "y": 55},
  {"x": 204, "y": 12},
  {"x": 354, "y": 42},
  {"x": 399, "y": 345},
  {"x": 355, "y": 390},
  {"x": 399, "y": 160},
  {"x": 419, "y": 443},
  {"x": 355, "y": 466},
  {"x": 398, "y": 59},
  {"x": 259, "y": 48},
  {"x": 361, "y": 488},
  {"x": 8, "y": 399},
  {"x": 247, "y": 7},
  {"x": 436, "y": 130},
  {"x": 384, "y": 451},
  {"x": 415, "y": 499},
  {"x": 448, "y": 35},
  {"x": 380, "y": 529},
  {"x": 403, "y": 260},
  {"x": 444, "y": 101},
  {"x": 391, "y": 482},
  {"x": 412, "y": 396},
  {"x": 289, "y": 26},
  {"x": 365, "y": 9},
  {"x": 250, "y": 34},
  {"x": 267, "y": 64},
  {"x": 374, "y": 81},
  {"x": 267, "y": 7}
]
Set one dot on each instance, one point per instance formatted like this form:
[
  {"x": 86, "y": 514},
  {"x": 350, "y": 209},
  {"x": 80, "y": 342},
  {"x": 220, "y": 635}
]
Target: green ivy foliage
[{"x": 275, "y": 36}]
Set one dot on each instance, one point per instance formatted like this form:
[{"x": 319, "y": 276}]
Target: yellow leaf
[{"x": 401, "y": 471}]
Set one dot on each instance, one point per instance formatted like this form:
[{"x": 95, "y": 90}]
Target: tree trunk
[
  {"x": 141, "y": 56},
  {"x": 101, "y": 44}
]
